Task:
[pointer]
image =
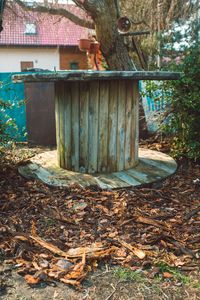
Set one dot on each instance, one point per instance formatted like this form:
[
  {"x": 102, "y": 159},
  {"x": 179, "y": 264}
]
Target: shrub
[{"x": 182, "y": 98}]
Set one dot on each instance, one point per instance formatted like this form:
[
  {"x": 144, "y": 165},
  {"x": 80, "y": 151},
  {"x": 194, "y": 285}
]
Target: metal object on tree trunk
[{"x": 124, "y": 24}]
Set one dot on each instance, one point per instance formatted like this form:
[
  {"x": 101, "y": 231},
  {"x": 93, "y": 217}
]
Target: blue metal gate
[{"x": 14, "y": 115}]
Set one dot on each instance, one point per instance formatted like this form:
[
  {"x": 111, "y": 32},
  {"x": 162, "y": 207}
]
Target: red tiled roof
[{"x": 51, "y": 30}]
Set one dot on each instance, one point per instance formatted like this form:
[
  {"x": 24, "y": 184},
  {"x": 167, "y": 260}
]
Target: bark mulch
[{"x": 63, "y": 234}]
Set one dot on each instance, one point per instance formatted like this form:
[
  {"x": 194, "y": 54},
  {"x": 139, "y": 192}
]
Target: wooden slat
[
  {"x": 129, "y": 119},
  {"x": 111, "y": 180},
  {"x": 103, "y": 126},
  {"x": 85, "y": 75},
  {"x": 112, "y": 127},
  {"x": 60, "y": 123},
  {"x": 158, "y": 164},
  {"x": 84, "y": 110},
  {"x": 124, "y": 176},
  {"x": 67, "y": 112},
  {"x": 139, "y": 176},
  {"x": 93, "y": 127},
  {"x": 121, "y": 124},
  {"x": 75, "y": 126},
  {"x": 57, "y": 116},
  {"x": 135, "y": 123},
  {"x": 102, "y": 184}
]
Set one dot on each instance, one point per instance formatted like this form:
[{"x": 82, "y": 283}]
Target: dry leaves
[{"x": 62, "y": 234}]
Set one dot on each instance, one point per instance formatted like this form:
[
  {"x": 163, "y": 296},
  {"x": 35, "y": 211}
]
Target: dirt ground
[
  {"x": 100, "y": 285},
  {"x": 161, "y": 220}
]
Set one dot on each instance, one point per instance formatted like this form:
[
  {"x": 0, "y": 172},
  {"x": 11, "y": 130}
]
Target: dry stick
[
  {"x": 182, "y": 248},
  {"x": 149, "y": 221},
  {"x": 114, "y": 290},
  {"x": 137, "y": 252},
  {"x": 192, "y": 213}
]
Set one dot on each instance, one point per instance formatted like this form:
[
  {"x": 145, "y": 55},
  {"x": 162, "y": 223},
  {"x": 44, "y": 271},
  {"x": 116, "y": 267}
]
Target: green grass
[
  {"x": 125, "y": 274},
  {"x": 163, "y": 267}
]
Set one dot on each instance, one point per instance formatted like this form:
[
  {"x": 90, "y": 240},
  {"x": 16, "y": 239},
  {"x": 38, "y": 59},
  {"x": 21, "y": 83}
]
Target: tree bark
[{"x": 105, "y": 15}]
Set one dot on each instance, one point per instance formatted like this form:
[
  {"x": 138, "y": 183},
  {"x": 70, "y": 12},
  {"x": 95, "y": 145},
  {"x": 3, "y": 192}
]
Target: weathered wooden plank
[
  {"x": 57, "y": 119},
  {"x": 84, "y": 75},
  {"x": 84, "y": 180},
  {"x": 139, "y": 176},
  {"x": 121, "y": 124},
  {"x": 112, "y": 127},
  {"x": 135, "y": 121},
  {"x": 150, "y": 172},
  {"x": 102, "y": 184},
  {"x": 60, "y": 123},
  {"x": 157, "y": 159},
  {"x": 84, "y": 110},
  {"x": 93, "y": 127},
  {"x": 75, "y": 126},
  {"x": 124, "y": 176},
  {"x": 103, "y": 126},
  {"x": 129, "y": 119},
  {"x": 112, "y": 181},
  {"x": 162, "y": 165},
  {"x": 67, "y": 112}
]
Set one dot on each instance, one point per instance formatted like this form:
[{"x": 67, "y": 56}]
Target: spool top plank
[{"x": 97, "y": 117}]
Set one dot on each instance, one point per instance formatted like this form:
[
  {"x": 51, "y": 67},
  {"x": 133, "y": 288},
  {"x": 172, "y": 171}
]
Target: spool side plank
[
  {"x": 103, "y": 126},
  {"x": 67, "y": 113},
  {"x": 112, "y": 127},
  {"x": 59, "y": 89},
  {"x": 75, "y": 126},
  {"x": 135, "y": 121},
  {"x": 84, "y": 110},
  {"x": 129, "y": 118},
  {"x": 121, "y": 125},
  {"x": 93, "y": 127}
]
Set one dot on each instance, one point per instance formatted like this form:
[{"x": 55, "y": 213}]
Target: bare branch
[
  {"x": 79, "y": 4},
  {"x": 57, "y": 11}
]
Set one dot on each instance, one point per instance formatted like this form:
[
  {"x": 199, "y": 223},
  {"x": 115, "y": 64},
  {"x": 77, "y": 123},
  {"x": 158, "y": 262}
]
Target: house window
[
  {"x": 30, "y": 29},
  {"x": 74, "y": 66},
  {"x": 26, "y": 65}
]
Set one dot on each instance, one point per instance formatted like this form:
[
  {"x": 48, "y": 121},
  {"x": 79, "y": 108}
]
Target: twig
[
  {"x": 182, "y": 248},
  {"x": 114, "y": 290},
  {"x": 135, "y": 33},
  {"x": 192, "y": 213}
]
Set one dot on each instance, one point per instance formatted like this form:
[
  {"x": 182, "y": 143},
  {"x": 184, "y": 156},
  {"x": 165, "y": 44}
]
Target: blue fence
[
  {"x": 13, "y": 95},
  {"x": 153, "y": 108}
]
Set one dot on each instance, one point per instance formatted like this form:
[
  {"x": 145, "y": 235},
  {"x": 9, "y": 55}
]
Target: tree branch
[{"x": 57, "y": 11}]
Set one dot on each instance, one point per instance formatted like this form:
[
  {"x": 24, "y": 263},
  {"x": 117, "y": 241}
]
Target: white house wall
[{"x": 45, "y": 58}]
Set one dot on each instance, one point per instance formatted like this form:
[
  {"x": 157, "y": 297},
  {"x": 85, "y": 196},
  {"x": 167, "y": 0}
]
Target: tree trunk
[{"x": 112, "y": 43}]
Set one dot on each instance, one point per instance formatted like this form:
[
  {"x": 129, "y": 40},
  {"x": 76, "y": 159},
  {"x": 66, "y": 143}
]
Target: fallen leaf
[
  {"x": 70, "y": 281},
  {"x": 31, "y": 280},
  {"x": 167, "y": 275}
]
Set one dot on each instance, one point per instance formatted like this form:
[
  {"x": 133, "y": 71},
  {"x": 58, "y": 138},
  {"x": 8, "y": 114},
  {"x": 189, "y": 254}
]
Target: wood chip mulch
[{"x": 63, "y": 234}]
